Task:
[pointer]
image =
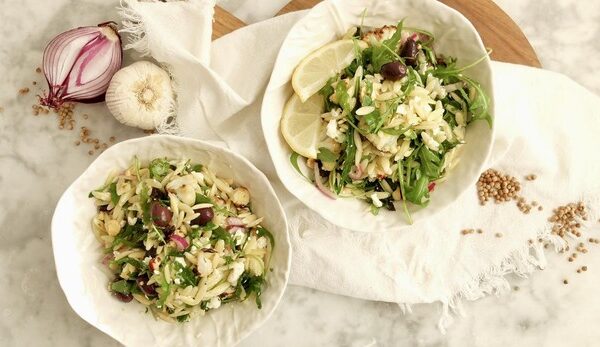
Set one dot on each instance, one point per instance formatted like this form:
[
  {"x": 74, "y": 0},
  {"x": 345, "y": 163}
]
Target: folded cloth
[{"x": 545, "y": 124}]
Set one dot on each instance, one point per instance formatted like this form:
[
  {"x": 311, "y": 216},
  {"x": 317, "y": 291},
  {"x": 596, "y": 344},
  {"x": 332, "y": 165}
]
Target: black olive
[
  {"x": 389, "y": 204},
  {"x": 393, "y": 71},
  {"x": 103, "y": 208},
  {"x": 206, "y": 215},
  {"x": 123, "y": 297},
  {"x": 161, "y": 215},
  {"x": 148, "y": 289},
  {"x": 168, "y": 230},
  {"x": 409, "y": 52},
  {"x": 158, "y": 194}
]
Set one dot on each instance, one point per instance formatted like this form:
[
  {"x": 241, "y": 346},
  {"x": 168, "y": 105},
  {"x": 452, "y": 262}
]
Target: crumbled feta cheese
[
  {"x": 214, "y": 303},
  {"x": 376, "y": 200},
  {"x": 261, "y": 242},
  {"x": 177, "y": 281},
  {"x": 204, "y": 266},
  {"x": 180, "y": 260},
  {"x": 430, "y": 142},
  {"x": 237, "y": 268},
  {"x": 332, "y": 130}
]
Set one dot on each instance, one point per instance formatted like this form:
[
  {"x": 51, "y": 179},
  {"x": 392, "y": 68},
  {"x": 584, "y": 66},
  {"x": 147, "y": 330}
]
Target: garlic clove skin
[{"x": 141, "y": 95}]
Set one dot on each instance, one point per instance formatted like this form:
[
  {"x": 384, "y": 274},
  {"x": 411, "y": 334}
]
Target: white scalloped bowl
[
  {"x": 455, "y": 36},
  {"x": 84, "y": 279}
]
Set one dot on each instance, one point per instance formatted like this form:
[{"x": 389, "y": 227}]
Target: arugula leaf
[
  {"x": 145, "y": 204},
  {"x": 430, "y": 163},
  {"x": 122, "y": 287},
  {"x": 341, "y": 92},
  {"x": 252, "y": 284},
  {"x": 183, "y": 318},
  {"x": 196, "y": 168},
  {"x": 373, "y": 120},
  {"x": 294, "y": 160},
  {"x": 139, "y": 265},
  {"x": 326, "y": 92},
  {"x": 401, "y": 183},
  {"x": 187, "y": 276},
  {"x": 386, "y": 51},
  {"x": 350, "y": 152},
  {"x": 374, "y": 210},
  {"x": 114, "y": 197},
  {"x": 419, "y": 193},
  {"x": 159, "y": 168},
  {"x": 163, "y": 291},
  {"x": 202, "y": 199},
  {"x": 131, "y": 236},
  {"x": 221, "y": 234},
  {"x": 260, "y": 231},
  {"x": 326, "y": 155}
]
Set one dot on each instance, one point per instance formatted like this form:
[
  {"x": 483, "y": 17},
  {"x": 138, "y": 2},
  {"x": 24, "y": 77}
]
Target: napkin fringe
[
  {"x": 133, "y": 24},
  {"x": 521, "y": 262}
]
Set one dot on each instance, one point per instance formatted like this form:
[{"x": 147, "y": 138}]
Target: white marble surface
[{"x": 38, "y": 161}]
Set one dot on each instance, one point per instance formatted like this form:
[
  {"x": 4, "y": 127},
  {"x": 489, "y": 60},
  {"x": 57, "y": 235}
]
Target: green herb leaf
[
  {"x": 163, "y": 290},
  {"x": 260, "y": 231},
  {"x": 221, "y": 234},
  {"x": 326, "y": 155},
  {"x": 183, "y": 318},
  {"x": 252, "y": 284},
  {"x": 114, "y": 197},
  {"x": 196, "y": 168},
  {"x": 341, "y": 92},
  {"x": 202, "y": 199},
  {"x": 419, "y": 194},
  {"x": 122, "y": 287},
  {"x": 430, "y": 163},
  {"x": 294, "y": 160},
  {"x": 145, "y": 204},
  {"x": 374, "y": 210},
  {"x": 159, "y": 168},
  {"x": 386, "y": 51}
]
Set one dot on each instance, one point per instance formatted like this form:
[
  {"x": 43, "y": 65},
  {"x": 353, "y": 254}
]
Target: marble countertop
[{"x": 38, "y": 161}]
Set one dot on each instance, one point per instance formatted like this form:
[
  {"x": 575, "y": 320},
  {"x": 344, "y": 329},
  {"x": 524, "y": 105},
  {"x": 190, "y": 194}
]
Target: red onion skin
[
  {"x": 234, "y": 222},
  {"x": 60, "y": 93},
  {"x": 320, "y": 185},
  {"x": 180, "y": 242}
]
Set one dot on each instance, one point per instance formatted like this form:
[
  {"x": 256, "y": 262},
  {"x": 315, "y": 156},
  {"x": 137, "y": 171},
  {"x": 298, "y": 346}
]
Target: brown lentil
[
  {"x": 565, "y": 281},
  {"x": 584, "y": 268}
]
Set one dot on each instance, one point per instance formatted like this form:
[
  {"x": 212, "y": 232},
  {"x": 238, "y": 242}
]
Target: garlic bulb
[{"x": 140, "y": 95}]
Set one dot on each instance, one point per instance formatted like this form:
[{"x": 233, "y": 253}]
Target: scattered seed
[
  {"x": 479, "y": 231},
  {"x": 90, "y": 152},
  {"x": 499, "y": 235},
  {"x": 516, "y": 287},
  {"x": 571, "y": 259},
  {"x": 565, "y": 281},
  {"x": 584, "y": 268},
  {"x": 38, "y": 70},
  {"x": 23, "y": 91},
  {"x": 112, "y": 139},
  {"x": 34, "y": 83},
  {"x": 85, "y": 116}
]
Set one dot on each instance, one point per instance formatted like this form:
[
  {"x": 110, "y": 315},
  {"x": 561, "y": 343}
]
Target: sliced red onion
[
  {"x": 79, "y": 63},
  {"x": 431, "y": 186},
  {"x": 319, "y": 183},
  {"x": 180, "y": 242},
  {"x": 356, "y": 172},
  {"x": 235, "y": 229},
  {"x": 234, "y": 222},
  {"x": 107, "y": 258}
]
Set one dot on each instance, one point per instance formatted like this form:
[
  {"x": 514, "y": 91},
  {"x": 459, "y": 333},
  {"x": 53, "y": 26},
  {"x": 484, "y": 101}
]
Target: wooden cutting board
[{"x": 497, "y": 30}]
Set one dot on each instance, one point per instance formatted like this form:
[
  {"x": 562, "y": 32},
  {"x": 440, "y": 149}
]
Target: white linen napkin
[{"x": 546, "y": 124}]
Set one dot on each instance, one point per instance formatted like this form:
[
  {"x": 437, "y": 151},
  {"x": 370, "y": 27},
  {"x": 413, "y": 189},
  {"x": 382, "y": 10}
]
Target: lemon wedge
[
  {"x": 301, "y": 124},
  {"x": 315, "y": 69}
]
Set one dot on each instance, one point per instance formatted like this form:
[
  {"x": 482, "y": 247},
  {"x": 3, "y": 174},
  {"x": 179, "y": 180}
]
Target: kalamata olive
[
  {"x": 148, "y": 289},
  {"x": 168, "y": 230},
  {"x": 123, "y": 297},
  {"x": 206, "y": 215},
  {"x": 393, "y": 71},
  {"x": 409, "y": 52},
  {"x": 161, "y": 215},
  {"x": 158, "y": 194}
]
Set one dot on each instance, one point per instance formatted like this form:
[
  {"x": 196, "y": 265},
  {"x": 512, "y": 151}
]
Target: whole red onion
[{"x": 79, "y": 63}]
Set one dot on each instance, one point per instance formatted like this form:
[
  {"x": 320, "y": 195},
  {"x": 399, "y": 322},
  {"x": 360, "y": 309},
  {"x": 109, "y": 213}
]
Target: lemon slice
[
  {"x": 313, "y": 71},
  {"x": 301, "y": 124}
]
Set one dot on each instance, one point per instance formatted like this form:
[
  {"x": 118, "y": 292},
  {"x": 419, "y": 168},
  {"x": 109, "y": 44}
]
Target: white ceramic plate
[
  {"x": 84, "y": 279},
  {"x": 455, "y": 36}
]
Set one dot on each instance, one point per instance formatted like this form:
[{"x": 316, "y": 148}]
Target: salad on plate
[
  {"x": 179, "y": 239},
  {"x": 380, "y": 116}
]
